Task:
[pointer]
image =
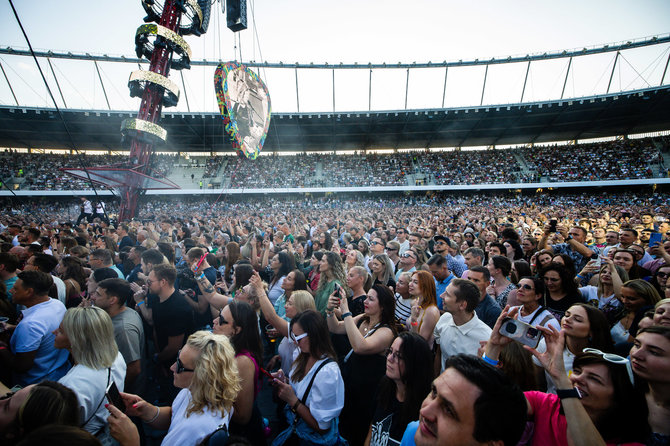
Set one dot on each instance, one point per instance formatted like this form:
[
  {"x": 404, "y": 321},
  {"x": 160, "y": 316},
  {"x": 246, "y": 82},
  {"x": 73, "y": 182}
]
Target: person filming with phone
[{"x": 574, "y": 245}]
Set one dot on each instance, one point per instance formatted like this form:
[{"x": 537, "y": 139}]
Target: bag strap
[
  {"x": 537, "y": 313},
  {"x": 104, "y": 395},
  {"x": 309, "y": 387}
]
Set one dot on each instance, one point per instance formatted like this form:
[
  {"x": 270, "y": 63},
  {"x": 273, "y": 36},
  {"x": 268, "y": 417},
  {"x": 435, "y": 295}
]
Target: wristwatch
[
  {"x": 294, "y": 408},
  {"x": 568, "y": 393}
]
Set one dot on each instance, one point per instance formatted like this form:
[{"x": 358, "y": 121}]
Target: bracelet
[
  {"x": 138, "y": 304},
  {"x": 348, "y": 313},
  {"x": 294, "y": 408},
  {"x": 201, "y": 276},
  {"x": 580, "y": 276},
  {"x": 158, "y": 412},
  {"x": 414, "y": 324},
  {"x": 490, "y": 361}
]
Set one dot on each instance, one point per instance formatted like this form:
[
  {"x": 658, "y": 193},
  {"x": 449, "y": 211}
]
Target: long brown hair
[{"x": 320, "y": 345}]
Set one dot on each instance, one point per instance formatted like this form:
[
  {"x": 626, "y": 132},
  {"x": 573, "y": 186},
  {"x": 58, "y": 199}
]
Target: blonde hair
[
  {"x": 216, "y": 379},
  {"x": 662, "y": 302},
  {"x": 302, "y": 300},
  {"x": 644, "y": 290},
  {"x": 91, "y": 334}
]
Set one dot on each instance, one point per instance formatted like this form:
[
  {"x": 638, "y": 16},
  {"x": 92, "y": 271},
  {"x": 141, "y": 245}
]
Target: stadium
[{"x": 330, "y": 144}]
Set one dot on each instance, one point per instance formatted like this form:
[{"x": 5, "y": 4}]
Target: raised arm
[{"x": 266, "y": 306}]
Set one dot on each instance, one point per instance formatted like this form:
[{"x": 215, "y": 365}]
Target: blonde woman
[
  {"x": 207, "y": 373},
  {"x": 88, "y": 334},
  {"x": 382, "y": 269}
]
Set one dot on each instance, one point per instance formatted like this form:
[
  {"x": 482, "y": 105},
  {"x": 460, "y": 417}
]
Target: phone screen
[
  {"x": 114, "y": 397},
  {"x": 655, "y": 238}
]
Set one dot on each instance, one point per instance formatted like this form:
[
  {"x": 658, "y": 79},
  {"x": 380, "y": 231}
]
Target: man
[
  {"x": 199, "y": 305},
  {"x": 112, "y": 295},
  {"x": 488, "y": 309},
  {"x": 135, "y": 256},
  {"x": 471, "y": 403},
  {"x": 401, "y": 238},
  {"x": 102, "y": 258},
  {"x": 85, "y": 210},
  {"x": 648, "y": 220},
  {"x": 46, "y": 264},
  {"x": 125, "y": 239},
  {"x": 33, "y": 357},
  {"x": 9, "y": 263},
  {"x": 414, "y": 239},
  {"x": 15, "y": 231},
  {"x": 150, "y": 259},
  {"x": 376, "y": 246},
  {"x": 599, "y": 237},
  {"x": 574, "y": 245},
  {"x": 167, "y": 311},
  {"x": 627, "y": 238},
  {"x": 459, "y": 330},
  {"x": 407, "y": 263},
  {"x": 611, "y": 239},
  {"x": 472, "y": 257},
  {"x": 441, "y": 247},
  {"x": 31, "y": 236},
  {"x": 441, "y": 274}
]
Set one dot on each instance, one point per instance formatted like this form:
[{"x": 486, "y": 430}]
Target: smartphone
[
  {"x": 114, "y": 397},
  {"x": 552, "y": 225},
  {"x": 521, "y": 332},
  {"x": 655, "y": 238},
  {"x": 598, "y": 259}
]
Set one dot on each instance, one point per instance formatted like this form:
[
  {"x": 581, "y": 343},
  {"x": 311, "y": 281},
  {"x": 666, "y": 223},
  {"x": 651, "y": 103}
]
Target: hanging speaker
[{"x": 236, "y": 14}]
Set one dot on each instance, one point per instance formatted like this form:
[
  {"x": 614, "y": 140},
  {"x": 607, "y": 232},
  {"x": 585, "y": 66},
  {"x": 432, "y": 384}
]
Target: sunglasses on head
[
  {"x": 180, "y": 365},
  {"x": 614, "y": 359}
]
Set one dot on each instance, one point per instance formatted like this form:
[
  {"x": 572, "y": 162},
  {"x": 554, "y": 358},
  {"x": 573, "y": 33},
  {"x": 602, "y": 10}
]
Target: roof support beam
[
  {"x": 101, "y": 83},
  {"x": 444, "y": 88},
  {"x": 665, "y": 69},
  {"x": 406, "y": 88},
  {"x": 183, "y": 84},
  {"x": 9, "y": 83},
  {"x": 297, "y": 96},
  {"x": 486, "y": 74},
  {"x": 333, "y": 90},
  {"x": 616, "y": 58},
  {"x": 523, "y": 91},
  {"x": 565, "y": 82},
  {"x": 370, "y": 91},
  {"x": 57, "y": 84}
]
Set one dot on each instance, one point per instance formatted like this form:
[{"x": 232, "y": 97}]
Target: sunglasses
[
  {"x": 390, "y": 249},
  {"x": 297, "y": 338},
  {"x": 614, "y": 359},
  {"x": 526, "y": 287},
  {"x": 395, "y": 356},
  {"x": 375, "y": 243},
  {"x": 407, "y": 255},
  {"x": 222, "y": 321},
  {"x": 660, "y": 274},
  {"x": 180, "y": 365}
]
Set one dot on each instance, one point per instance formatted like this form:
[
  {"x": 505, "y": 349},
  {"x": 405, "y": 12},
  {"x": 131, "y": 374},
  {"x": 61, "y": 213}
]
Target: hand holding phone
[
  {"x": 114, "y": 397},
  {"x": 521, "y": 332}
]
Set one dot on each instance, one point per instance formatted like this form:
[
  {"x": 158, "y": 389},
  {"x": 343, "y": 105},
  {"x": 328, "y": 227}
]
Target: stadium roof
[{"x": 639, "y": 111}]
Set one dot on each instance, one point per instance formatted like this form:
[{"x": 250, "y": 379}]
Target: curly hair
[
  {"x": 336, "y": 272},
  {"x": 216, "y": 380}
]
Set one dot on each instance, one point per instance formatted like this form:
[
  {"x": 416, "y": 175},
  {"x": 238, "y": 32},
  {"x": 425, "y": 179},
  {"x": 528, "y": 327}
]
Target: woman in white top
[
  {"x": 607, "y": 295},
  {"x": 529, "y": 294},
  {"x": 206, "y": 371},
  {"x": 314, "y": 412},
  {"x": 88, "y": 334}
]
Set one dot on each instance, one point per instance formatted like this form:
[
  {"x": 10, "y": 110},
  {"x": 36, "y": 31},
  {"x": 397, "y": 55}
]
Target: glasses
[
  {"x": 614, "y": 359},
  {"x": 388, "y": 248},
  {"x": 222, "y": 321},
  {"x": 526, "y": 287},
  {"x": 407, "y": 255},
  {"x": 180, "y": 365},
  {"x": 297, "y": 338},
  {"x": 395, "y": 356},
  {"x": 375, "y": 243},
  {"x": 660, "y": 274}
]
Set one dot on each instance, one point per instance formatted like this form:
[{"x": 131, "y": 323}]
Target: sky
[{"x": 349, "y": 31}]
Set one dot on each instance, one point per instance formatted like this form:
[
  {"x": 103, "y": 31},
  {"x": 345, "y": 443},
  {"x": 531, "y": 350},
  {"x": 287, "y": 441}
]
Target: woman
[
  {"x": 314, "y": 392},
  {"x": 382, "y": 271},
  {"x": 88, "y": 334},
  {"x": 660, "y": 279},
  {"x": 353, "y": 258},
  {"x": 560, "y": 289},
  {"x": 540, "y": 260},
  {"x": 513, "y": 250},
  {"x": 282, "y": 263},
  {"x": 662, "y": 312},
  {"x": 625, "y": 258},
  {"x": 566, "y": 261},
  {"x": 501, "y": 287},
  {"x": 403, "y": 300},
  {"x": 637, "y": 297},
  {"x": 609, "y": 411},
  {"x": 424, "y": 313},
  {"x": 71, "y": 271},
  {"x": 520, "y": 268},
  {"x": 313, "y": 274},
  {"x": 295, "y": 281},
  {"x": 529, "y": 247},
  {"x": 332, "y": 273},
  {"x": 242, "y": 272},
  {"x": 206, "y": 372},
  {"x": 37, "y": 405},
  {"x": 650, "y": 358},
  {"x": 409, "y": 374},
  {"x": 369, "y": 334},
  {"x": 105, "y": 242},
  {"x": 232, "y": 256},
  {"x": 529, "y": 295},
  {"x": 364, "y": 247},
  {"x": 583, "y": 327},
  {"x": 607, "y": 295},
  {"x": 239, "y": 322}
]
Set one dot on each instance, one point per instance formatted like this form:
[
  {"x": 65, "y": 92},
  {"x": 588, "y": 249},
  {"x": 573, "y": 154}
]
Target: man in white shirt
[
  {"x": 459, "y": 330},
  {"x": 401, "y": 238}
]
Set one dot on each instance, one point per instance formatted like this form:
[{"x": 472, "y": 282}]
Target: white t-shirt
[
  {"x": 454, "y": 339},
  {"x": 590, "y": 294},
  {"x": 191, "y": 430},
  {"x": 568, "y": 359},
  {"x": 90, "y": 386},
  {"x": 276, "y": 290},
  {"x": 326, "y": 398},
  {"x": 288, "y": 352}
]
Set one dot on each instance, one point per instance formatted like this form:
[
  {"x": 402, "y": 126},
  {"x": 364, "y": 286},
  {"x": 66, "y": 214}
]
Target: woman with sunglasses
[
  {"x": 650, "y": 357},
  {"x": 314, "y": 391},
  {"x": 660, "y": 279},
  {"x": 424, "y": 314},
  {"x": 206, "y": 371},
  {"x": 369, "y": 334},
  {"x": 529, "y": 295},
  {"x": 596, "y": 404},
  {"x": 409, "y": 374},
  {"x": 88, "y": 334},
  {"x": 239, "y": 322}
]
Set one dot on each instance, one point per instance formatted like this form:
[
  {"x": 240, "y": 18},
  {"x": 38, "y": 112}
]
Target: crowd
[
  {"x": 379, "y": 320},
  {"x": 614, "y": 160}
]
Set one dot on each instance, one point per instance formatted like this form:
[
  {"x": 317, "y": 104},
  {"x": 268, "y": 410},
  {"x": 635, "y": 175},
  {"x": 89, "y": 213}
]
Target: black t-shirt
[
  {"x": 356, "y": 305},
  {"x": 173, "y": 317},
  {"x": 559, "y": 307},
  {"x": 384, "y": 431}
]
